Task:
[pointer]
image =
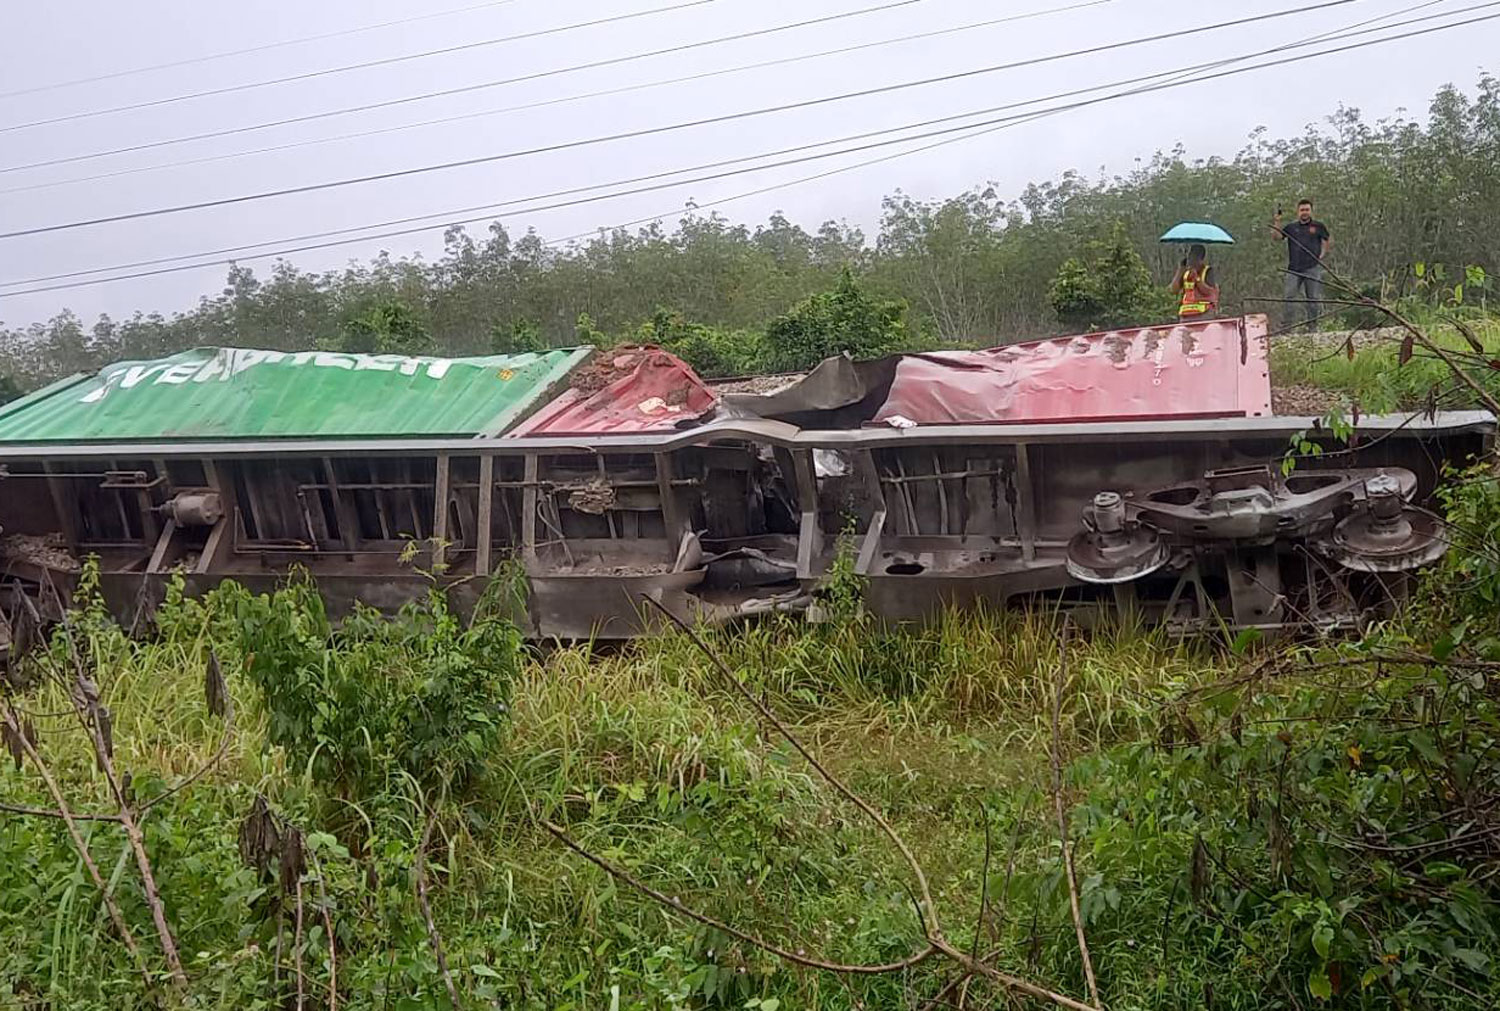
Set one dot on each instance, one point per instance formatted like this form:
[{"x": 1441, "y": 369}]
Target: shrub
[
  {"x": 709, "y": 351},
  {"x": 521, "y": 336},
  {"x": 844, "y": 320},
  {"x": 378, "y": 696},
  {"x": 1108, "y": 287},
  {"x": 388, "y": 328}
]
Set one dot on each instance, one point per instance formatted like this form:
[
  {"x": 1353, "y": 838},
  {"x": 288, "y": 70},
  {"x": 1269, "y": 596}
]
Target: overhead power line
[
  {"x": 461, "y": 90},
  {"x": 1348, "y": 31},
  {"x": 563, "y": 100},
  {"x": 655, "y": 130},
  {"x": 249, "y": 50},
  {"x": 454, "y": 216},
  {"x": 387, "y": 61},
  {"x": 967, "y": 131}
]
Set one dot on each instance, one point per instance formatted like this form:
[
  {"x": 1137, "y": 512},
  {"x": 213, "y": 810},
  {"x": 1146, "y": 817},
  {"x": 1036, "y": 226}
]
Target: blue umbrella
[{"x": 1198, "y": 231}]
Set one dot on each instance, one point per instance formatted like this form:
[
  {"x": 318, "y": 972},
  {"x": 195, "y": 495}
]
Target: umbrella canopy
[{"x": 1198, "y": 231}]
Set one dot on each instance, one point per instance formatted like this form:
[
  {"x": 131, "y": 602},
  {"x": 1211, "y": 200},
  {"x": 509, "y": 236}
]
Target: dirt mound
[{"x": 607, "y": 367}]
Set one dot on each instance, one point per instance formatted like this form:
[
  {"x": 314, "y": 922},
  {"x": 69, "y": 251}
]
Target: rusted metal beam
[
  {"x": 221, "y": 536},
  {"x": 486, "y": 518},
  {"x": 671, "y": 514},
  {"x": 440, "y": 511},
  {"x": 778, "y": 433},
  {"x": 343, "y": 509},
  {"x": 66, "y": 518},
  {"x": 865, "y": 463},
  {"x": 809, "y": 535},
  {"x": 528, "y": 508},
  {"x": 163, "y": 545},
  {"x": 1025, "y": 503}
]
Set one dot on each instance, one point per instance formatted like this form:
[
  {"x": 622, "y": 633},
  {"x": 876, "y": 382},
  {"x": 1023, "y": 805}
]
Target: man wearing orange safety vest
[{"x": 1197, "y": 285}]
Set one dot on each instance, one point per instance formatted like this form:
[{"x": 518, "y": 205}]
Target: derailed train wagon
[{"x": 1135, "y": 468}]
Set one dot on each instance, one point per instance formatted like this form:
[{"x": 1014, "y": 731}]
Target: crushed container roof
[
  {"x": 624, "y": 391},
  {"x": 1206, "y": 369},
  {"x": 238, "y": 393}
]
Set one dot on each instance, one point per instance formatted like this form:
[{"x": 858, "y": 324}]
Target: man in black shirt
[{"x": 1307, "y": 243}]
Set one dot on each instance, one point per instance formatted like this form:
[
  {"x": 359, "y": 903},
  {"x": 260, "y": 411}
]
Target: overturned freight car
[{"x": 1129, "y": 469}]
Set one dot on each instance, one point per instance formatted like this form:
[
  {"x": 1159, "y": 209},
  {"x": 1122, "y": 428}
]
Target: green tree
[
  {"x": 1109, "y": 286},
  {"x": 983, "y": 264},
  {"x": 709, "y": 351},
  {"x": 389, "y": 328},
  {"x": 844, "y": 320},
  {"x": 521, "y": 336},
  {"x": 585, "y": 331}
]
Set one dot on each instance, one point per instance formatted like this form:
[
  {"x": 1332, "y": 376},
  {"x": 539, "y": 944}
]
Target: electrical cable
[
  {"x": 452, "y": 216},
  {"x": 971, "y": 130},
  {"x": 386, "y": 61},
  {"x": 566, "y": 99},
  {"x": 265, "y": 47},
  {"x": 647, "y": 131},
  {"x": 449, "y": 92},
  {"x": 1348, "y": 31}
]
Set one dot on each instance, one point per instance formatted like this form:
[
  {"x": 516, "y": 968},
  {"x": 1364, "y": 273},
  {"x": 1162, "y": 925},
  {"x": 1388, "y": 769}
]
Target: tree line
[{"x": 976, "y": 269}]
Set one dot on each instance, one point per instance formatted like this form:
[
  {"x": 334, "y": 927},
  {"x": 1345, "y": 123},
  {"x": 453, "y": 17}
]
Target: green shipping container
[{"x": 240, "y": 393}]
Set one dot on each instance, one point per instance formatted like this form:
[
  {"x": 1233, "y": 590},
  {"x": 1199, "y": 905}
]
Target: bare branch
[
  {"x": 333, "y": 956},
  {"x": 47, "y": 812},
  {"x": 419, "y": 870},
  {"x": 676, "y": 906},
  {"x": 116, "y": 917},
  {"x": 84, "y": 694},
  {"x": 1062, "y": 815},
  {"x": 930, "y": 926},
  {"x": 297, "y": 949}
]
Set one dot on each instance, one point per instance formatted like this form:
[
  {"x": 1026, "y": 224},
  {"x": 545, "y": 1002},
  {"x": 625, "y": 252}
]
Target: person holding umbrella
[{"x": 1195, "y": 281}]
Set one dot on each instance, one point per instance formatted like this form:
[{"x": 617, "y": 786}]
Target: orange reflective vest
[{"x": 1195, "y": 297}]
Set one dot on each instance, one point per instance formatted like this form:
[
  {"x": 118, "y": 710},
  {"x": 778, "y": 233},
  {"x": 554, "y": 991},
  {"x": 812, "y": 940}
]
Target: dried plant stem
[
  {"x": 419, "y": 873},
  {"x": 88, "y": 713},
  {"x": 1062, "y": 816},
  {"x": 113, "y": 908},
  {"x": 297, "y": 951}
]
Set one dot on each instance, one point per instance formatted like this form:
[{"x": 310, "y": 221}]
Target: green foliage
[
  {"x": 1464, "y": 292},
  {"x": 1469, "y": 586},
  {"x": 389, "y": 328},
  {"x": 710, "y": 352},
  {"x": 1298, "y": 836},
  {"x": 1231, "y": 833},
  {"x": 846, "y": 320},
  {"x": 585, "y": 332},
  {"x": 1333, "y": 426},
  {"x": 977, "y": 267},
  {"x": 417, "y": 694},
  {"x": 521, "y": 336},
  {"x": 1108, "y": 287},
  {"x": 1376, "y": 380}
]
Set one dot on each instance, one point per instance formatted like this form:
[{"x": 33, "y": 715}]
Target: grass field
[{"x": 1254, "y": 825}]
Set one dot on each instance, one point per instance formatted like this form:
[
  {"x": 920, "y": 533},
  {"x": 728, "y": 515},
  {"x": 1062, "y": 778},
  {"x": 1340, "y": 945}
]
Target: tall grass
[
  {"x": 644, "y": 751},
  {"x": 646, "y": 756},
  {"x": 1374, "y": 378}
]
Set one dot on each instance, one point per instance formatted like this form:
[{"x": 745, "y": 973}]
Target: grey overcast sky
[{"x": 45, "y": 42}]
